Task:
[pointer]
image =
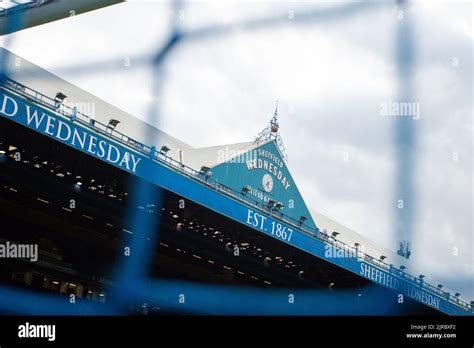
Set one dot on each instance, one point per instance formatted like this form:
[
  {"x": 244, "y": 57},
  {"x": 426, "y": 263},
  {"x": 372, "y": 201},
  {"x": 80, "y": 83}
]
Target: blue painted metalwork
[{"x": 38, "y": 112}]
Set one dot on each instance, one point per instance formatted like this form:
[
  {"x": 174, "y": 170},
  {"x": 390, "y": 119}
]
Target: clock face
[{"x": 267, "y": 183}]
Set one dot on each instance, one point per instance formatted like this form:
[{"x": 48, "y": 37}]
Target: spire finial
[{"x": 271, "y": 132}]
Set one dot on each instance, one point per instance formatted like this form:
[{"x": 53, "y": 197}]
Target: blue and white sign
[
  {"x": 265, "y": 175},
  {"x": 74, "y": 135},
  {"x": 87, "y": 141}
]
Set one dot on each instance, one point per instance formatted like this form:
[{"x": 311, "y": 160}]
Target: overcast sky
[{"x": 331, "y": 77}]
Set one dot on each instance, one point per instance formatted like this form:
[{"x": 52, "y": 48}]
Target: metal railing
[{"x": 150, "y": 151}]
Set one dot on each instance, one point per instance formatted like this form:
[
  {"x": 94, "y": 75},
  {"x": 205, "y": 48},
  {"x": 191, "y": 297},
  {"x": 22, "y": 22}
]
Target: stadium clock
[{"x": 267, "y": 183}]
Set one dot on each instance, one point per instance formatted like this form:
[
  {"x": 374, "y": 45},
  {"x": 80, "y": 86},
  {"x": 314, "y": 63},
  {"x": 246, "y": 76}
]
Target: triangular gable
[{"x": 265, "y": 175}]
